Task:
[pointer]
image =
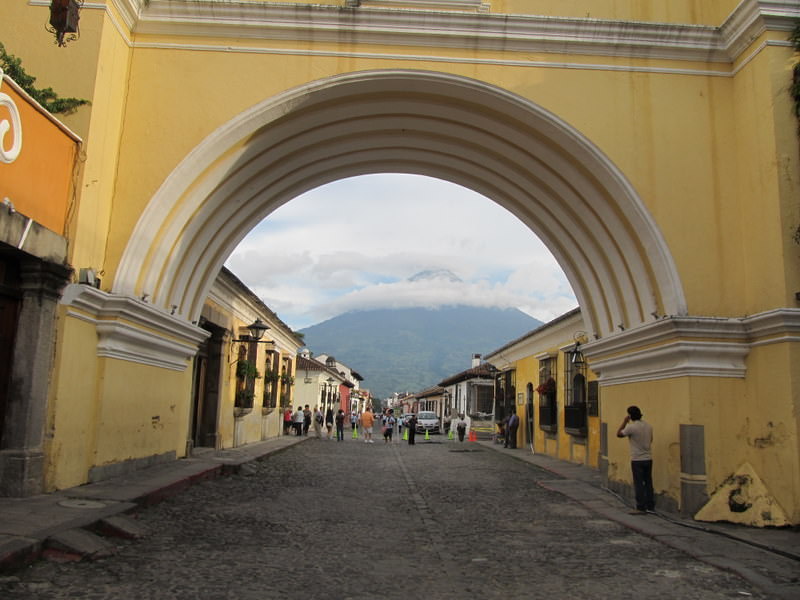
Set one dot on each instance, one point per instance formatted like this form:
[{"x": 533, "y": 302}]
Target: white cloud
[{"x": 353, "y": 244}]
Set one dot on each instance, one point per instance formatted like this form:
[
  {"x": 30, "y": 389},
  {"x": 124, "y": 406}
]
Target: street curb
[{"x": 17, "y": 553}]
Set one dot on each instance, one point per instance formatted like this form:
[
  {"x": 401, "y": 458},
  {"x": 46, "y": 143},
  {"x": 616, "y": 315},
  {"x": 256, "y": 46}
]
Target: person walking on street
[
  {"x": 388, "y": 426},
  {"x": 306, "y": 419},
  {"x": 513, "y": 425},
  {"x": 460, "y": 424},
  {"x": 329, "y": 421},
  {"x": 297, "y": 420},
  {"x": 640, "y": 439},
  {"x": 287, "y": 420},
  {"x": 411, "y": 423},
  {"x": 340, "y": 426},
  {"x": 367, "y": 421},
  {"x": 318, "y": 419},
  {"x": 353, "y": 419}
]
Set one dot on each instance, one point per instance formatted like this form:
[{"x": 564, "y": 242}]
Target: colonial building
[
  {"x": 472, "y": 393},
  {"x": 349, "y": 388},
  {"x": 320, "y": 385},
  {"x": 242, "y": 375},
  {"x": 545, "y": 379},
  {"x": 432, "y": 399}
]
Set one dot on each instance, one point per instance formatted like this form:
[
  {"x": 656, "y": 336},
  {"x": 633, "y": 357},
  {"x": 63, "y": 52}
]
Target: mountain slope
[{"x": 408, "y": 350}]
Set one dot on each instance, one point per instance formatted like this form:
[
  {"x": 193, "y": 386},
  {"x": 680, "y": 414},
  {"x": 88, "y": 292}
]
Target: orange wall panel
[{"x": 39, "y": 182}]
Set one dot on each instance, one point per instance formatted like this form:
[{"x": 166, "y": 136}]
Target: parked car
[{"x": 427, "y": 421}]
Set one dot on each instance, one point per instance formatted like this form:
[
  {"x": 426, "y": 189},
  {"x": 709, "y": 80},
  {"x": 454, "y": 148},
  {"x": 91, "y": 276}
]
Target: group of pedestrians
[
  {"x": 365, "y": 422},
  {"x": 303, "y": 419}
]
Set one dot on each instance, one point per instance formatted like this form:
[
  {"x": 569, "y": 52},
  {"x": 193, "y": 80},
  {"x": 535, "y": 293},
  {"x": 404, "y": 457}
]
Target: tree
[{"x": 12, "y": 66}]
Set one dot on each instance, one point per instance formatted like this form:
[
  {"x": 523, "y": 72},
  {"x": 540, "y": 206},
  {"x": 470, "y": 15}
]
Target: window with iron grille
[
  {"x": 246, "y": 374},
  {"x": 286, "y": 388},
  {"x": 548, "y": 395},
  {"x": 506, "y": 393},
  {"x": 575, "y": 406},
  {"x": 271, "y": 377},
  {"x": 485, "y": 398}
]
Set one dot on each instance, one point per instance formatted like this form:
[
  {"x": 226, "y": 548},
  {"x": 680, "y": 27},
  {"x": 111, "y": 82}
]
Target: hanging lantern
[{"x": 64, "y": 17}]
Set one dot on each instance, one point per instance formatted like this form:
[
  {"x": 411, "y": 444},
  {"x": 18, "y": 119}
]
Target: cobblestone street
[{"x": 338, "y": 520}]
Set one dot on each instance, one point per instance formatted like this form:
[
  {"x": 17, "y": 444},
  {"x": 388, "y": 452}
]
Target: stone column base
[{"x": 21, "y": 473}]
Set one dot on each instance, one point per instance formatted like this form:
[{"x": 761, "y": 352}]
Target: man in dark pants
[
  {"x": 640, "y": 437},
  {"x": 513, "y": 425},
  {"x": 412, "y": 429}
]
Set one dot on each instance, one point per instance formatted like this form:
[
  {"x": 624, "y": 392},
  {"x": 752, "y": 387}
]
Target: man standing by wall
[
  {"x": 640, "y": 437},
  {"x": 512, "y": 427}
]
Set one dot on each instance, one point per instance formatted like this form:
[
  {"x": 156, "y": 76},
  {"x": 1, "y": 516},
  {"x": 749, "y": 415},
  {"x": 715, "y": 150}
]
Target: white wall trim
[
  {"x": 464, "y": 29},
  {"x": 774, "y": 326},
  {"x": 676, "y": 359},
  {"x": 436, "y": 24},
  {"x": 689, "y": 346},
  {"x": 394, "y": 57},
  {"x": 132, "y": 330}
]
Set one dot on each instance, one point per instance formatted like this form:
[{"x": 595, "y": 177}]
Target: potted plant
[
  {"x": 244, "y": 399},
  {"x": 247, "y": 370}
]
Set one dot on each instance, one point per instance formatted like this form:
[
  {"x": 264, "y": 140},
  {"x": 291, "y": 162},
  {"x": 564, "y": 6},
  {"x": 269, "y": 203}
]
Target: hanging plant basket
[{"x": 547, "y": 387}]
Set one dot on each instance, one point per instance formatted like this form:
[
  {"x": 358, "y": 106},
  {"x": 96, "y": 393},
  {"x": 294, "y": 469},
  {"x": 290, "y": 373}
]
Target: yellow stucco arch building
[{"x": 653, "y": 148}]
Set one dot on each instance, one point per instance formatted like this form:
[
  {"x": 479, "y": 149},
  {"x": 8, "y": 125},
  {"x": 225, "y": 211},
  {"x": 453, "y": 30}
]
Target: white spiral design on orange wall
[{"x": 10, "y": 155}]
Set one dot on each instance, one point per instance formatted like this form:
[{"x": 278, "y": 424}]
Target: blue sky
[{"x": 353, "y": 245}]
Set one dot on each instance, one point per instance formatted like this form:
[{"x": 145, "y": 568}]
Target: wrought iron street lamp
[
  {"x": 256, "y": 331},
  {"x": 64, "y": 17}
]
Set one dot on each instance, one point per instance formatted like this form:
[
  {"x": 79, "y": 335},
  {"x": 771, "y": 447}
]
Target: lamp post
[{"x": 257, "y": 330}]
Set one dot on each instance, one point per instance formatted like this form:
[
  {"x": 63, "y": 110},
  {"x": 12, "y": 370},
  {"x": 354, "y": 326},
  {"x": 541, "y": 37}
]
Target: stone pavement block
[
  {"x": 16, "y": 552},
  {"x": 698, "y": 545},
  {"x": 152, "y": 484},
  {"x": 120, "y": 526},
  {"x": 775, "y": 589},
  {"x": 82, "y": 543},
  {"x": 577, "y": 490}
]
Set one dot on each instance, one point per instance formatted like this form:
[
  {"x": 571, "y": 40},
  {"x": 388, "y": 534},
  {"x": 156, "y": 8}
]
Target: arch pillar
[{"x": 22, "y": 456}]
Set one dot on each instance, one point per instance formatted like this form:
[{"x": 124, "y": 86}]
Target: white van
[{"x": 427, "y": 421}]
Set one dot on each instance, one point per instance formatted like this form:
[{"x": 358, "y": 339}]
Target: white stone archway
[{"x": 453, "y": 128}]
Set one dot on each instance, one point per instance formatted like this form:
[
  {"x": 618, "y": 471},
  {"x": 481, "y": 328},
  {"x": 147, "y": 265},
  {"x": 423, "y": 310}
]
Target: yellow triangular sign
[{"x": 743, "y": 498}]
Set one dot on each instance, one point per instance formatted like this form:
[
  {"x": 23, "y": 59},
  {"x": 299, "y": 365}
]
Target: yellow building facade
[{"x": 651, "y": 146}]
